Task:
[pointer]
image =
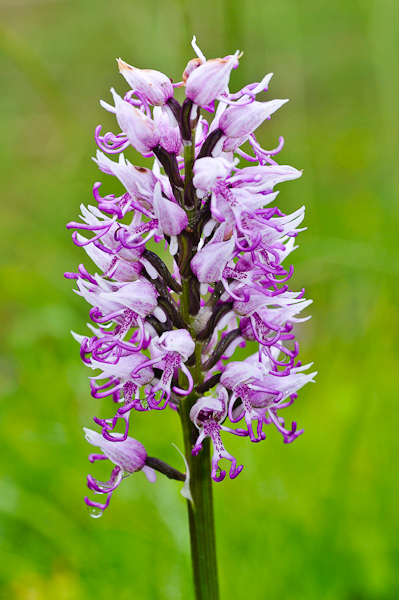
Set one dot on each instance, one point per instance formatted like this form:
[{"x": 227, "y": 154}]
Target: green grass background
[{"x": 315, "y": 520}]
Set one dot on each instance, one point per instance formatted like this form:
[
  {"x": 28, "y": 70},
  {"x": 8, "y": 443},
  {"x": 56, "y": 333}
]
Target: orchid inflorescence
[{"x": 166, "y": 337}]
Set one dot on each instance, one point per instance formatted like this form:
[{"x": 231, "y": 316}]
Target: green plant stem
[
  {"x": 201, "y": 518},
  {"x": 189, "y": 160},
  {"x": 200, "y": 510}
]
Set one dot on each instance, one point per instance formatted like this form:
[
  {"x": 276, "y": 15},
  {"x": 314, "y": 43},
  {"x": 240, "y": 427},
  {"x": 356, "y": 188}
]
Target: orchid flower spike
[{"x": 164, "y": 332}]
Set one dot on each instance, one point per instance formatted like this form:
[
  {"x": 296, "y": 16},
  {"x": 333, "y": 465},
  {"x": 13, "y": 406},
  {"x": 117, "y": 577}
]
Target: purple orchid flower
[
  {"x": 175, "y": 348},
  {"x": 207, "y": 414},
  {"x": 128, "y": 456}
]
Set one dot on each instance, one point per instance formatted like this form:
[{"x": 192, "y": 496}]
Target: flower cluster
[{"x": 165, "y": 336}]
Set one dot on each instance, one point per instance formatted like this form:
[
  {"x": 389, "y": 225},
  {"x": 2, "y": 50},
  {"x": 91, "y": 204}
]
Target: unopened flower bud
[
  {"x": 156, "y": 87},
  {"x": 139, "y": 181},
  {"x": 139, "y": 296},
  {"x": 263, "y": 178},
  {"x": 210, "y": 79},
  {"x": 192, "y": 64},
  {"x": 238, "y": 121},
  {"x": 170, "y": 137},
  {"x": 139, "y": 129},
  {"x": 171, "y": 217},
  {"x": 208, "y": 264}
]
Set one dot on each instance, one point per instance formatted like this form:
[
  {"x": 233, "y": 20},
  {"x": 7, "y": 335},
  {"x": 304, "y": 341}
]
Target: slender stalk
[
  {"x": 185, "y": 300},
  {"x": 200, "y": 511},
  {"x": 189, "y": 160},
  {"x": 201, "y": 517}
]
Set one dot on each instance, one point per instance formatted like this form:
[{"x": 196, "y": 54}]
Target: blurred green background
[{"x": 315, "y": 520}]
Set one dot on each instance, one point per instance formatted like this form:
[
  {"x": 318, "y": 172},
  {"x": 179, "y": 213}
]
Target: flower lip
[{"x": 209, "y": 405}]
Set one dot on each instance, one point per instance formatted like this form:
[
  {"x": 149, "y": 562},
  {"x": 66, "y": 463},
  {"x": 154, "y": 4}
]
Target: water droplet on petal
[
  {"x": 125, "y": 474},
  {"x": 95, "y": 512},
  {"x": 104, "y": 487}
]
